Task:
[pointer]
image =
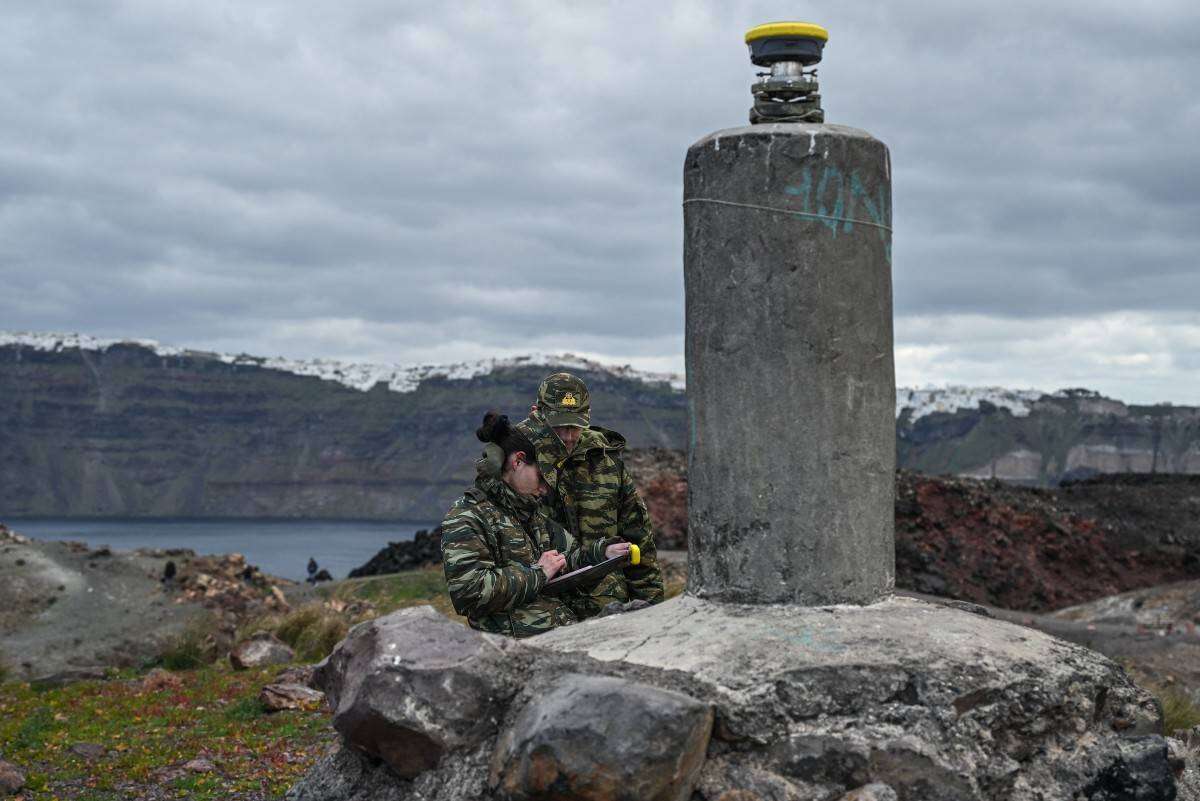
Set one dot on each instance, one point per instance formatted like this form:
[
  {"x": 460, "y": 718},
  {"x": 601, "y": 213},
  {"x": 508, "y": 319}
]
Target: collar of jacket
[{"x": 506, "y": 498}]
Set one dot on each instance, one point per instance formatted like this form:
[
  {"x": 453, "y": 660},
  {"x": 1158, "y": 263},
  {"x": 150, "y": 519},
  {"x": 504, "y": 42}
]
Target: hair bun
[{"x": 495, "y": 427}]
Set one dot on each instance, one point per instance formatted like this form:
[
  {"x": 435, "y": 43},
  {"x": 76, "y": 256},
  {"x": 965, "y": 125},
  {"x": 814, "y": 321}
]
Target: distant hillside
[
  {"x": 131, "y": 429},
  {"x": 94, "y": 427},
  {"x": 1034, "y": 438}
]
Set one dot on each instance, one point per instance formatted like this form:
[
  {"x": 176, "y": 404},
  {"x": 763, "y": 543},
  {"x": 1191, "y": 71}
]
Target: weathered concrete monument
[
  {"x": 787, "y": 671},
  {"x": 791, "y": 388}
]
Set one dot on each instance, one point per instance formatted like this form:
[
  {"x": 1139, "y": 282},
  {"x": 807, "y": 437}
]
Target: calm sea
[{"x": 278, "y": 547}]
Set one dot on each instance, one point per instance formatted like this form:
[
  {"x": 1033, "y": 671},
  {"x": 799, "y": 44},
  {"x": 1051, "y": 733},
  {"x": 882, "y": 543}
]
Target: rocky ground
[
  {"x": 67, "y": 610},
  {"x": 1033, "y": 549}
]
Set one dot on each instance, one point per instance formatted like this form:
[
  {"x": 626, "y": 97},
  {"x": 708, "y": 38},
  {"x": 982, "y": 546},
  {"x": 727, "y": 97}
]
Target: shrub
[
  {"x": 1180, "y": 710},
  {"x": 3, "y": 670},
  {"x": 193, "y": 647},
  {"x": 312, "y": 631}
]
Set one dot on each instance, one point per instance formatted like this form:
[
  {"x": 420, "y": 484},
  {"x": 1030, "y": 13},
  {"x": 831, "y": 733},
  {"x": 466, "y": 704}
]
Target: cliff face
[
  {"x": 127, "y": 431},
  {"x": 91, "y": 428},
  {"x": 1070, "y": 435}
]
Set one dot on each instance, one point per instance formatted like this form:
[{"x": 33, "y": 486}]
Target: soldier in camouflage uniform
[
  {"x": 591, "y": 493},
  {"x": 498, "y": 547}
]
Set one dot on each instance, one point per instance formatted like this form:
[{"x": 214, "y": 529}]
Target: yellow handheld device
[{"x": 635, "y": 554}]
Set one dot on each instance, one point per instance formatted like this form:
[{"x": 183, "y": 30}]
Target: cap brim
[{"x": 574, "y": 419}]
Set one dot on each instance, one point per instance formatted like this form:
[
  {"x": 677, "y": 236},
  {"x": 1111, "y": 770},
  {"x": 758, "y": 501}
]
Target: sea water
[{"x": 278, "y": 547}]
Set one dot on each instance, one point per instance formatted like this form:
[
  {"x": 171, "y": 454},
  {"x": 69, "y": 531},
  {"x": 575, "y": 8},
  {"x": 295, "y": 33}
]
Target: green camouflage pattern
[
  {"x": 491, "y": 541},
  {"x": 563, "y": 400},
  {"x": 593, "y": 496}
]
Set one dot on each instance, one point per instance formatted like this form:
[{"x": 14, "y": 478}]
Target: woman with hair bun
[{"x": 499, "y": 549}]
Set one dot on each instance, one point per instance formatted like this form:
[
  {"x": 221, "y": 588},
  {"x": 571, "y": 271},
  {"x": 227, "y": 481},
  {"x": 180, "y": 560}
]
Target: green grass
[
  {"x": 1180, "y": 710},
  {"x": 191, "y": 648},
  {"x": 312, "y": 631},
  {"x": 396, "y": 591},
  {"x": 150, "y": 734}
]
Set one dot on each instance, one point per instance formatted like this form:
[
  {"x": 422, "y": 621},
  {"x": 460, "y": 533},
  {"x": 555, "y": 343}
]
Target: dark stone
[
  {"x": 409, "y": 686},
  {"x": 89, "y": 751},
  {"x": 823, "y": 759},
  {"x": 68, "y": 676},
  {"x": 1142, "y": 772},
  {"x": 279, "y": 696},
  {"x": 597, "y": 738},
  {"x": 12, "y": 780},
  {"x": 425, "y": 548}
]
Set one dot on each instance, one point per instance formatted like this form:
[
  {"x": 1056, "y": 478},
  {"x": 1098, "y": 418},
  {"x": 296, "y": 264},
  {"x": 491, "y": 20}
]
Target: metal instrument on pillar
[{"x": 787, "y": 92}]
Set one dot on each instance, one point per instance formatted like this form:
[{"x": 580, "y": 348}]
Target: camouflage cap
[{"x": 564, "y": 401}]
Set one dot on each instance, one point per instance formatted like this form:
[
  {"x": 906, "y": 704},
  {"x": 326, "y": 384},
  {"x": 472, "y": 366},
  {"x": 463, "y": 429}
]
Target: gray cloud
[{"x": 376, "y": 181}]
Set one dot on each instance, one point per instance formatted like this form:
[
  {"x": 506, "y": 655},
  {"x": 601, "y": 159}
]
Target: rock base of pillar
[{"x": 699, "y": 701}]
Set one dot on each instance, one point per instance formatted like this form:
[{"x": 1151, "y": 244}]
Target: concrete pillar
[{"x": 790, "y": 379}]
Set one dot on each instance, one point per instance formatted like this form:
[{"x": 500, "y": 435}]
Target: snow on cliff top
[
  {"x": 922, "y": 402},
  {"x": 406, "y": 378},
  {"x": 399, "y": 378}
]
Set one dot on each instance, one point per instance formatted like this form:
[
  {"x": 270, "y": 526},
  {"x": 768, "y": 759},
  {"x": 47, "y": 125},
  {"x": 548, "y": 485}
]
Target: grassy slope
[
  {"x": 150, "y": 733},
  {"x": 214, "y": 712}
]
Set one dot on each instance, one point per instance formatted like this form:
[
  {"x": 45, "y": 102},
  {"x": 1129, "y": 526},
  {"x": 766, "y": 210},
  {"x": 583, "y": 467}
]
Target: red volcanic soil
[
  {"x": 1019, "y": 547},
  {"x": 1015, "y": 547}
]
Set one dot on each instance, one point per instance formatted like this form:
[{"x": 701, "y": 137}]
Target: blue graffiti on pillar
[{"x": 836, "y": 197}]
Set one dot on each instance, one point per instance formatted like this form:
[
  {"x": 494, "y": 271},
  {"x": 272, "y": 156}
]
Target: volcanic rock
[
  {"x": 425, "y": 548},
  {"x": 871, "y": 792},
  {"x": 280, "y": 696},
  {"x": 596, "y": 737},
  {"x": 89, "y": 751},
  {"x": 200, "y": 765},
  {"x": 12, "y": 780},
  {"x": 263, "y": 648},
  {"x": 411, "y": 686}
]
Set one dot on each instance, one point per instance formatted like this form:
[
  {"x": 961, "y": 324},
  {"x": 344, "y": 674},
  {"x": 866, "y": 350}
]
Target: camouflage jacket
[
  {"x": 491, "y": 541},
  {"x": 594, "y": 497}
]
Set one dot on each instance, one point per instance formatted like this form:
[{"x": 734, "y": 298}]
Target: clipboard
[{"x": 587, "y": 577}]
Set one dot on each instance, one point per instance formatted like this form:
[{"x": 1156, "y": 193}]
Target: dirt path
[{"x": 65, "y": 607}]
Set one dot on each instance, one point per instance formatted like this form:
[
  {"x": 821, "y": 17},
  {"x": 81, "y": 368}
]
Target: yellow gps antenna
[{"x": 787, "y": 93}]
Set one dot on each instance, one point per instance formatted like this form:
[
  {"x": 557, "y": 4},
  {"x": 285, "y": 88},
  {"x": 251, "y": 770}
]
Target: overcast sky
[{"x": 419, "y": 182}]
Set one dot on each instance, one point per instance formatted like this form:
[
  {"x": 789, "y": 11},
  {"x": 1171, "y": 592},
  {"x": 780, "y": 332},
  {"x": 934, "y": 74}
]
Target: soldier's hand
[
  {"x": 551, "y": 562},
  {"x": 616, "y": 549}
]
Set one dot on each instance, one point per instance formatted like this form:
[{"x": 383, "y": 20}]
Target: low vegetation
[
  {"x": 1180, "y": 710},
  {"x": 394, "y": 591},
  {"x": 133, "y": 736},
  {"x": 194, "y": 647}
]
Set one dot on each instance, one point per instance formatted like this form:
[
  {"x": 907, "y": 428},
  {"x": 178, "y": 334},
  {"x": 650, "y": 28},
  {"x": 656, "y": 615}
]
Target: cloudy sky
[{"x": 416, "y": 182}]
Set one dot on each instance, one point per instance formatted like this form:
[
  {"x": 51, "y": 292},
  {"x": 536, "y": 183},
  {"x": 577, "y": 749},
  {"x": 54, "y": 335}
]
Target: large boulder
[
  {"x": 901, "y": 700},
  {"x": 597, "y": 738},
  {"x": 410, "y": 686},
  {"x": 935, "y": 702}
]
